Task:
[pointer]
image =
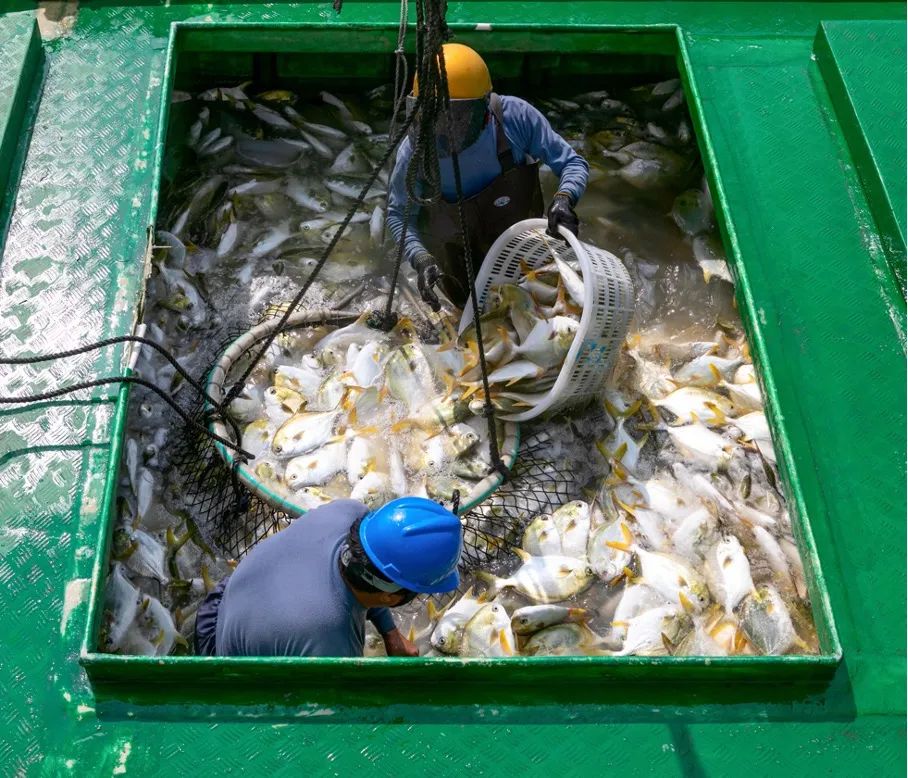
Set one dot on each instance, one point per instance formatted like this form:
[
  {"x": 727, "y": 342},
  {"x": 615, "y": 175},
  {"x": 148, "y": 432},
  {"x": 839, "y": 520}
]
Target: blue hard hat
[{"x": 414, "y": 542}]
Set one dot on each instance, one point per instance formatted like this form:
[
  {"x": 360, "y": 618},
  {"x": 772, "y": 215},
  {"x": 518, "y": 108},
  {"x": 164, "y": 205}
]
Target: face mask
[{"x": 457, "y": 129}]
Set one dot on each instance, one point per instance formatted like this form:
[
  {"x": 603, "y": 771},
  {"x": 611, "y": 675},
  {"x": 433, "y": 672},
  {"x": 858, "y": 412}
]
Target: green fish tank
[{"x": 793, "y": 108}]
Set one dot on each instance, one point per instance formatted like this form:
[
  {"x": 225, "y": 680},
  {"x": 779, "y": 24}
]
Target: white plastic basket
[{"x": 608, "y": 306}]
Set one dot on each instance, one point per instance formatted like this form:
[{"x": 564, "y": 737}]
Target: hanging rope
[
  {"x": 166, "y": 396},
  {"x": 488, "y": 408}
]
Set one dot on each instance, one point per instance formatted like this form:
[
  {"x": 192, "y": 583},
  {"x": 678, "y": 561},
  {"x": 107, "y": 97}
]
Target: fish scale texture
[{"x": 822, "y": 316}]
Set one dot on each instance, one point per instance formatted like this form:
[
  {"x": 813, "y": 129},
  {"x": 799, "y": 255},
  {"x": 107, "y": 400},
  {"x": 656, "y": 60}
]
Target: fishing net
[{"x": 233, "y": 518}]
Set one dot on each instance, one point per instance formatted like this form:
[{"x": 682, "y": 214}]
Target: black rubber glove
[
  {"x": 426, "y": 277},
  {"x": 562, "y": 213}
]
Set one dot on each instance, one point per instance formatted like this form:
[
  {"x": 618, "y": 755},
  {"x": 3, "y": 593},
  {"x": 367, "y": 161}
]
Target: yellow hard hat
[{"x": 468, "y": 76}]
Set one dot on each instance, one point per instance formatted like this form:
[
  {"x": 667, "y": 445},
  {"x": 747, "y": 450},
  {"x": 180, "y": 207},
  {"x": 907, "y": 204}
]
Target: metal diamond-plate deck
[{"x": 806, "y": 244}]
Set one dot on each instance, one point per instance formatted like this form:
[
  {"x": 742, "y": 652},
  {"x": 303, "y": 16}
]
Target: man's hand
[
  {"x": 426, "y": 277},
  {"x": 561, "y": 213},
  {"x": 397, "y": 645}
]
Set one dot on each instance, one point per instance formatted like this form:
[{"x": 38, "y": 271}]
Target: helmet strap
[{"x": 358, "y": 570}]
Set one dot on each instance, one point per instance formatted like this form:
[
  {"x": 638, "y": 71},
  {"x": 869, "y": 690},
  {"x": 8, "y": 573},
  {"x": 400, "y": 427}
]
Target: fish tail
[
  {"x": 633, "y": 408},
  {"x": 450, "y": 383},
  {"x": 471, "y": 390},
  {"x": 627, "y": 534},
  {"x": 623, "y": 505},
  {"x": 494, "y": 583},
  {"x": 719, "y": 416},
  {"x": 620, "y": 452}
]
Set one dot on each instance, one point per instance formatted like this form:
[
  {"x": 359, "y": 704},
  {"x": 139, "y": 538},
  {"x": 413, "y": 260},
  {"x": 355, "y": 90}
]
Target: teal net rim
[{"x": 241, "y": 346}]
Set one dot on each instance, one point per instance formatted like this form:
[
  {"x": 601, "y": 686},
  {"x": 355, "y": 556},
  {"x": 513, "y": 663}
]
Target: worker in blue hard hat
[
  {"x": 500, "y": 142},
  {"x": 307, "y": 590}
]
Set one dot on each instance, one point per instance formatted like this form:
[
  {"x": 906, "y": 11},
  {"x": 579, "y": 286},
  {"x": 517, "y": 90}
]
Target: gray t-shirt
[{"x": 287, "y": 597}]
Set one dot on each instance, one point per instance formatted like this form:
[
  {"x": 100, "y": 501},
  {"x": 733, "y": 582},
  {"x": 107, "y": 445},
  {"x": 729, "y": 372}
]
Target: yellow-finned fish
[
  {"x": 532, "y": 618},
  {"x": 488, "y": 633},
  {"x": 304, "y": 432},
  {"x": 545, "y": 578},
  {"x": 446, "y": 637}
]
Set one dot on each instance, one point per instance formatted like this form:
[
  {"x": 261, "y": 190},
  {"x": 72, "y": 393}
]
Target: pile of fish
[
  {"x": 527, "y": 331},
  {"x": 356, "y": 412},
  {"x": 686, "y": 548},
  {"x": 683, "y": 542},
  {"x": 283, "y": 178}
]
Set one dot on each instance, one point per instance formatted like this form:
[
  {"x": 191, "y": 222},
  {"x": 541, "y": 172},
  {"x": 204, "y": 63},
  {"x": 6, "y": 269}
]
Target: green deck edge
[
  {"x": 76, "y": 274},
  {"x": 863, "y": 65},
  {"x": 21, "y": 57}
]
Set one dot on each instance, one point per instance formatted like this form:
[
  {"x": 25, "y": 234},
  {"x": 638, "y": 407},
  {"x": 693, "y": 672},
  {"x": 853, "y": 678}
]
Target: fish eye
[{"x": 441, "y": 641}]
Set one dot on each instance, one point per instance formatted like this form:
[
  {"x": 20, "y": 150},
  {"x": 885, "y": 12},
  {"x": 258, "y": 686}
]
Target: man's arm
[
  {"x": 395, "y": 643},
  {"x": 397, "y": 200},
  {"x": 534, "y": 134},
  {"x": 382, "y": 619}
]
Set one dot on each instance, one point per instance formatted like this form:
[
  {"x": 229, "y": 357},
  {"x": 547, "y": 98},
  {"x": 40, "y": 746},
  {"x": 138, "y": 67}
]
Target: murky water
[{"x": 256, "y": 192}]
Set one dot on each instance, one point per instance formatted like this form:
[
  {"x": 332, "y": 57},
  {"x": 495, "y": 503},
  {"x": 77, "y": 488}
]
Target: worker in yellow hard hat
[{"x": 500, "y": 142}]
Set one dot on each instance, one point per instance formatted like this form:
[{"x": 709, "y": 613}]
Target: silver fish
[
  {"x": 532, "y": 618},
  {"x": 304, "y": 432}
]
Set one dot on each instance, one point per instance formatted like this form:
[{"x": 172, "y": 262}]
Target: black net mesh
[{"x": 232, "y": 519}]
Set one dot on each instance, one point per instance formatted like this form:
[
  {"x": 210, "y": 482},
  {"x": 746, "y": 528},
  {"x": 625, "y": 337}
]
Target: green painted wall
[{"x": 817, "y": 285}]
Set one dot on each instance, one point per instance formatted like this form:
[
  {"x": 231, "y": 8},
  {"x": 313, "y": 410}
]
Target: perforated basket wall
[{"x": 607, "y": 307}]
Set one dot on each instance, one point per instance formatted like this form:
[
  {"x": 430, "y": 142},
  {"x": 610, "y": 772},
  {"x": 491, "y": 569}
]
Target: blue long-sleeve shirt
[
  {"x": 287, "y": 597},
  {"x": 530, "y": 136}
]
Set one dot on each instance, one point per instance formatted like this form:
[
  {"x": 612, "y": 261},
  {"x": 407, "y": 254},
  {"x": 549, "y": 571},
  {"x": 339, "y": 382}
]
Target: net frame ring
[
  {"x": 217, "y": 387},
  {"x": 608, "y": 306}
]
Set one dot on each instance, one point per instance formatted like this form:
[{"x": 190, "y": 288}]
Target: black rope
[
  {"x": 42, "y": 396},
  {"x": 488, "y": 408},
  {"x": 424, "y": 174},
  {"x": 388, "y": 315},
  {"x": 401, "y": 71},
  {"x": 109, "y": 342}
]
